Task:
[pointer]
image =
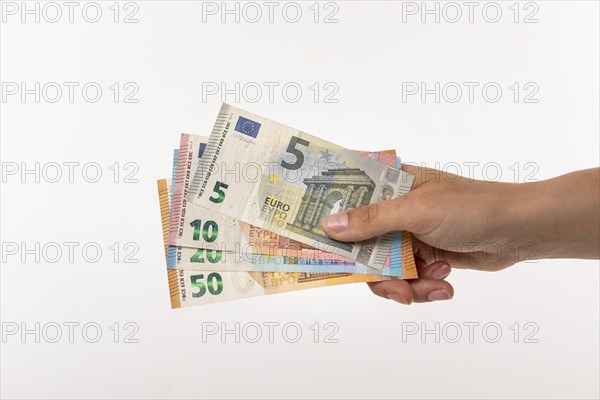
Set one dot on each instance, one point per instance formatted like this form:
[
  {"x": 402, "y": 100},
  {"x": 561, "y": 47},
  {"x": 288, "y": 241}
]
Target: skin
[{"x": 458, "y": 222}]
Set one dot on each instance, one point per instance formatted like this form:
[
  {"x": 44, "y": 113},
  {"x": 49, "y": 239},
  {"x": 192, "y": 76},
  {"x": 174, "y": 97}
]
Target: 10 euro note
[
  {"x": 199, "y": 236},
  {"x": 191, "y": 288},
  {"x": 285, "y": 181}
]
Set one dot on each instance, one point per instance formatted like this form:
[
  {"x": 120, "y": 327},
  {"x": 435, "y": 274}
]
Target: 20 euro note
[
  {"x": 283, "y": 180},
  {"x": 199, "y": 236},
  {"x": 191, "y": 288}
]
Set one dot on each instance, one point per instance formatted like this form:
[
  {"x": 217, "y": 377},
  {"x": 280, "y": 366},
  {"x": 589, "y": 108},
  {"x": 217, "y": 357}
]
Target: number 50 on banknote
[{"x": 281, "y": 179}]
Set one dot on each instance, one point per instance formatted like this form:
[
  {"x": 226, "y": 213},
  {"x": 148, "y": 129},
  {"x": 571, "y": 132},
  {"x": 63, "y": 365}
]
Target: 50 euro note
[
  {"x": 298, "y": 179},
  {"x": 191, "y": 288},
  {"x": 199, "y": 236}
]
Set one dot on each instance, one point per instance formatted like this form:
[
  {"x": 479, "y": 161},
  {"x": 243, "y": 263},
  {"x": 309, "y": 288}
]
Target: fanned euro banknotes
[{"x": 218, "y": 249}]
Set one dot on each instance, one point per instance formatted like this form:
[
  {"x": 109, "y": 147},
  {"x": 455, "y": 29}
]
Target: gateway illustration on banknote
[{"x": 333, "y": 191}]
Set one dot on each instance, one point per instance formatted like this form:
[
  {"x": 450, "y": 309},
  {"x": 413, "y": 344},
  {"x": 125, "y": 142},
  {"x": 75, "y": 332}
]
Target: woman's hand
[{"x": 465, "y": 223}]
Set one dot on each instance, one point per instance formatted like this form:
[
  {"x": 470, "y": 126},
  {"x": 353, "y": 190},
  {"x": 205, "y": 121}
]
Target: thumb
[{"x": 371, "y": 220}]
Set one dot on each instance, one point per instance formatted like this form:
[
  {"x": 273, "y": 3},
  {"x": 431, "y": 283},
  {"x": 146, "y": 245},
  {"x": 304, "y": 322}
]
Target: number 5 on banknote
[
  {"x": 283, "y": 180},
  {"x": 219, "y": 190},
  {"x": 293, "y": 150}
]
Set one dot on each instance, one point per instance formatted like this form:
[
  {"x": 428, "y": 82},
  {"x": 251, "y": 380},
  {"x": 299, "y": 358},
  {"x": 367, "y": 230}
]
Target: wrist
[
  {"x": 557, "y": 217},
  {"x": 531, "y": 228},
  {"x": 516, "y": 221}
]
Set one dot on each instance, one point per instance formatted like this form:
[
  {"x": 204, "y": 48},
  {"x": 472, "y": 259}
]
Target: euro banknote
[
  {"x": 199, "y": 236},
  {"x": 283, "y": 180},
  {"x": 191, "y": 288}
]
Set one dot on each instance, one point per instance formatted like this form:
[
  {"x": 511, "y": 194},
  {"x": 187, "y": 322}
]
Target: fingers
[
  {"x": 418, "y": 290},
  {"x": 437, "y": 270},
  {"x": 372, "y": 220},
  {"x": 429, "y": 287},
  {"x": 426, "y": 290},
  {"x": 397, "y": 290}
]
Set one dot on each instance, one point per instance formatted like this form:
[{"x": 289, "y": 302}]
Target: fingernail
[
  {"x": 439, "y": 294},
  {"x": 336, "y": 222},
  {"x": 398, "y": 297},
  {"x": 441, "y": 271}
]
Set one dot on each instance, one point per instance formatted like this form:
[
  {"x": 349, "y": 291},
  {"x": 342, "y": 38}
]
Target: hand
[{"x": 466, "y": 223}]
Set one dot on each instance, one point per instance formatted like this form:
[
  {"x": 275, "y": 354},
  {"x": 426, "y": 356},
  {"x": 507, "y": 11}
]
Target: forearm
[{"x": 560, "y": 216}]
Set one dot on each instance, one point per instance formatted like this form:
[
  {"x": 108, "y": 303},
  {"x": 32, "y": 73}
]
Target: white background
[{"x": 169, "y": 53}]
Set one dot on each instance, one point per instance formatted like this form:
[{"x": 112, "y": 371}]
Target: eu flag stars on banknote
[{"x": 241, "y": 212}]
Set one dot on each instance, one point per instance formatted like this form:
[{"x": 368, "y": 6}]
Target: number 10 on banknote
[{"x": 281, "y": 179}]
